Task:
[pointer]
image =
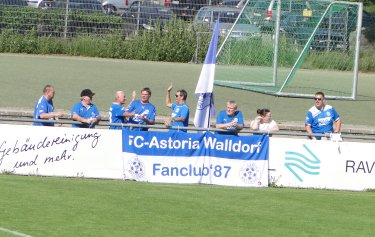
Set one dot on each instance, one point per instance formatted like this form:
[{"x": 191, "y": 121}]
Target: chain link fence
[{"x": 73, "y": 18}]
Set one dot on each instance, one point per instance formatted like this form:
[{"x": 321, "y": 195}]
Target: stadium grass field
[
  {"x": 57, "y": 206},
  {"x": 51, "y": 206},
  {"x": 23, "y": 76}
]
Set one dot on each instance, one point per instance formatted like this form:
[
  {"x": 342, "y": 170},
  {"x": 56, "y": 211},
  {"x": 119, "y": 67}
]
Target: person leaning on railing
[
  {"x": 264, "y": 121},
  {"x": 44, "y": 107},
  {"x": 85, "y": 111},
  {"x": 321, "y": 117},
  {"x": 230, "y": 119}
]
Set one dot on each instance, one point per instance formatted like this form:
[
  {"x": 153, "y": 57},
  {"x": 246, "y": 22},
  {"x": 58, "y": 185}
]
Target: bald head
[{"x": 120, "y": 97}]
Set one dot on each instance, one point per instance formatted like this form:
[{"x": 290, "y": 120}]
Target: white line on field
[{"x": 15, "y": 233}]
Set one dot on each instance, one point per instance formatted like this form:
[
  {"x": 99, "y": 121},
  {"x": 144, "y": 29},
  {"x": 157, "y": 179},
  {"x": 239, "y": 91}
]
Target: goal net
[{"x": 296, "y": 49}]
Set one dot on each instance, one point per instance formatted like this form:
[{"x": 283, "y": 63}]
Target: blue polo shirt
[
  {"x": 81, "y": 110},
  {"x": 223, "y": 118},
  {"x": 148, "y": 110},
  {"x": 321, "y": 121},
  {"x": 116, "y": 115},
  {"x": 43, "y": 106},
  {"x": 180, "y": 110}
]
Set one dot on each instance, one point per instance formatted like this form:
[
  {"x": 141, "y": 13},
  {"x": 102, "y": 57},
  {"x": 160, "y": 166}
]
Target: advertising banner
[
  {"x": 322, "y": 164},
  {"x": 61, "y": 151},
  {"x": 179, "y": 157}
]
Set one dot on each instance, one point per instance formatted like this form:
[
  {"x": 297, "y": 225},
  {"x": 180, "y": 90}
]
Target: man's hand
[
  {"x": 167, "y": 122},
  {"x": 57, "y": 114},
  {"x": 170, "y": 87}
]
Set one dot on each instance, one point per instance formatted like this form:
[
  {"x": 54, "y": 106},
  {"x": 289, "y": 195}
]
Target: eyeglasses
[{"x": 318, "y": 99}]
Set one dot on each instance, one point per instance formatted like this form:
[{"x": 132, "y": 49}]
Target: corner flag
[{"x": 204, "y": 90}]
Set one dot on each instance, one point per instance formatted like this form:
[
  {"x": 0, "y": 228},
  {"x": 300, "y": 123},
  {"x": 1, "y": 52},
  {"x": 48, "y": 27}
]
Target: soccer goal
[{"x": 300, "y": 47}]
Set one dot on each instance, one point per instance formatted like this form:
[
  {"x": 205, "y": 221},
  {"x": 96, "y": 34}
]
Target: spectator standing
[
  {"x": 44, "y": 107},
  {"x": 230, "y": 119},
  {"x": 264, "y": 121},
  {"x": 142, "y": 111},
  {"x": 180, "y": 111},
  {"x": 321, "y": 117},
  {"x": 85, "y": 111},
  {"x": 117, "y": 112}
]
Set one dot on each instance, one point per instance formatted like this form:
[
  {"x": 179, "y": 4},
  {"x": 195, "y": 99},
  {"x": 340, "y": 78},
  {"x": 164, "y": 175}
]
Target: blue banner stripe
[{"x": 174, "y": 143}]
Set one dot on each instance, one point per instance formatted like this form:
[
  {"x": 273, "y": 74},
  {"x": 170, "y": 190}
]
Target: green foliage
[
  {"x": 55, "y": 23},
  {"x": 325, "y": 59},
  {"x": 367, "y": 62},
  {"x": 34, "y": 31}
]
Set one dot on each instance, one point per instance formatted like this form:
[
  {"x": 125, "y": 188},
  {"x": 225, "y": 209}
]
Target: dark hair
[
  {"x": 148, "y": 90},
  {"x": 320, "y": 93},
  {"x": 263, "y": 112},
  {"x": 183, "y": 93}
]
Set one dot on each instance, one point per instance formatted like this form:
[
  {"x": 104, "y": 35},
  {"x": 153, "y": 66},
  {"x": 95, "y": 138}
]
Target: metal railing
[{"x": 245, "y": 131}]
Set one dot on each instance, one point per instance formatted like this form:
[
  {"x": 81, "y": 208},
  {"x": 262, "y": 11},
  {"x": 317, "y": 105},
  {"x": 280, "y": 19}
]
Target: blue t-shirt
[
  {"x": 43, "y": 106},
  {"x": 148, "y": 110},
  {"x": 321, "y": 121},
  {"x": 178, "y": 111},
  {"x": 223, "y": 118},
  {"x": 116, "y": 115},
  {"x": 90, "y": 112}
]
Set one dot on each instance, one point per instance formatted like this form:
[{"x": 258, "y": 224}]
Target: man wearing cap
[
  {"x": 44, "y": 107},
  {"x": 85, "y": 112}
]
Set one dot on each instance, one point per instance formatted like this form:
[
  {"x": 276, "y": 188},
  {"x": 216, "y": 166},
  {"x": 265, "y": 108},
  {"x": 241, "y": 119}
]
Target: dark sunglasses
[{"x": 319, "y": 99}]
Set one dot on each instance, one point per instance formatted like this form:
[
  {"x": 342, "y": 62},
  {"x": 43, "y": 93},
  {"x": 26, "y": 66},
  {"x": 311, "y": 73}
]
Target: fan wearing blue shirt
[
  {"x": 85, "y": 111},
  {"x": 117, "y": 111},
  {"x": 180, "y": 111},
  {"x": 142, "y": 111},
  {"x": 44, "y": 107},
  {"x": 321, "y": 118},
  {"x": 230, "y": 119}
]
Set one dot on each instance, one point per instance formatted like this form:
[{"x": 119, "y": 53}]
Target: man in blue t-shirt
[
  {"x": 85, "y": 111},
  {"x": 142, "y": 111},
  {"x": 117, "y": 111},
  {"x": 44, "y": 107},
  {"x": 321, "y": 117},
  {"x": 230, "y": 119},
  {"x": 180, "y": 111}
]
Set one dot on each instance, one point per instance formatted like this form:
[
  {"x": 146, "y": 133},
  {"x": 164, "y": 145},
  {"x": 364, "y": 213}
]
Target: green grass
[
  {"x": 45, "y": 206},
  {"x": 23, "y": 76}
]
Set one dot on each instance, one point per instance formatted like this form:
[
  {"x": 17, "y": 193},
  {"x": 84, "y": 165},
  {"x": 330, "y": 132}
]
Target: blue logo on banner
[
  {"x": 195, "y": 144},
  {"x": 250, "y": 173},
  {"x": 297, "y": 161},
  {"x": 136, "y": 168}
]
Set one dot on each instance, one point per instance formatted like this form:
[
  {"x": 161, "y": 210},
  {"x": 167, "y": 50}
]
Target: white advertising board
[
  {"x": 61, "y": 151},
  {"x": 322, "y": 164}
]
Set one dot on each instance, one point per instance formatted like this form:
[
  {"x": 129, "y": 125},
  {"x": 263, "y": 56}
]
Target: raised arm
[{"x": 168, "y": 101}]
